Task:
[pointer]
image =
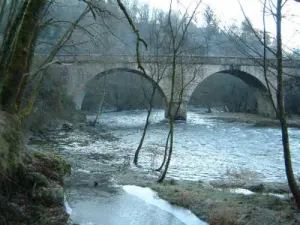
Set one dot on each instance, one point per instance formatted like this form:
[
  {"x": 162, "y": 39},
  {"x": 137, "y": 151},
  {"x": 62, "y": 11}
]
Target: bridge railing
[{"x": 192, "y": 59}]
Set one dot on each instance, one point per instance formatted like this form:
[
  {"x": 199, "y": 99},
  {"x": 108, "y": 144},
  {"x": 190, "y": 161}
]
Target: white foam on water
[
  {"x": 149, "y": 196},
  {"x": 67, "y": 206},
  {"x": 241, "y": 191},
  {"x": 83, "y": 171}
]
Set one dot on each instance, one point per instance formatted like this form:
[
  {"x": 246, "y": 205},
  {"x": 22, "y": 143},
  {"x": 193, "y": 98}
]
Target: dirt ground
[{"x": 256, "y": 120}]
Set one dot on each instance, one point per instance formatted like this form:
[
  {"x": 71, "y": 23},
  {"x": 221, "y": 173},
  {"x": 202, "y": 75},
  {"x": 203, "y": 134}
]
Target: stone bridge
[{"x": 80, "y": 70}]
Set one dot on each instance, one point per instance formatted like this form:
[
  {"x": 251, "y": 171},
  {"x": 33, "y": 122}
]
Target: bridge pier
[
  {"x": 264, "y": 104},
  {"x": 78, "y": 99},
  {"x": 178, "y": 111}
]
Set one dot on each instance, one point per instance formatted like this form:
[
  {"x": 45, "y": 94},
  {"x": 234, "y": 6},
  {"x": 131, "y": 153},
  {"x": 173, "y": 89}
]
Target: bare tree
[
  {"x": 281, "y": 109},
  {"x": 101, "y": 103},
  {"x": 157, "y": 72},
  {"x": 37, "y": 76},
  {"x": 276, "y": 12},
  {"x": 176, "y": 41}
]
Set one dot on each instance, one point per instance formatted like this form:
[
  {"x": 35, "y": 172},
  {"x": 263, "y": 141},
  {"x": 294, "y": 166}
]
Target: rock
[
  {"x": 180, "y": 118},
  {"x": 50, "y": 196},
  {"x": 279, "y": 188},
  {"x": 67, "y": 127},
  {"x": 52, "y": 166},
  {"x": 37, "y": 179},
  {"x": 173, "y": 182},
  {"x": 256, "y": 187}
]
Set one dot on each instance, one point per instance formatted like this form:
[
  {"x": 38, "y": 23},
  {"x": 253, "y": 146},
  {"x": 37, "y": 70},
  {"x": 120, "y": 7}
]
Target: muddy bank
[
  {"x": 218, "y": 205},
  {"x": 255, "y": 120},
  {"x": 31, "y": 184}
]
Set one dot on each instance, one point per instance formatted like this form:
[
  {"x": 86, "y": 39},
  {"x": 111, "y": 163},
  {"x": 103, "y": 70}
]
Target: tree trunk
[
  {"x": 281, "y": 111},
  {"x": 171, "y": 118},
  {"x": 137, "y": 152},
  {"x": 165, "y": 153},
  {"x": 22, "y": 51},
  {"x": 161, "y": 179},
  {"x": 10, "y": 31}
]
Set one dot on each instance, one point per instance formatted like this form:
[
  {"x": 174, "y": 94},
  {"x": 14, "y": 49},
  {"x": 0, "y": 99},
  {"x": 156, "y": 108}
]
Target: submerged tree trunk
[
  {"x": 281, "y": 111},
  {"x": 16, "y": 72}
]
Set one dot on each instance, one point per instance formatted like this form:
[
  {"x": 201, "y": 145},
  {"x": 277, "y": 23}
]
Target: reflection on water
[
  {"x": 95, "y": 206},
  {"x": 150, "y": 197}
]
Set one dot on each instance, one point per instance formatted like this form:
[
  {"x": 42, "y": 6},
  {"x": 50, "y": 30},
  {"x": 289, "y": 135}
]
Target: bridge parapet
[{"x": 167, "y": 59}]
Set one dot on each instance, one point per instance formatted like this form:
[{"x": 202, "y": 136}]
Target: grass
[
  {"x": 216, "y": 206},
  {"x": 223, "y": 215},
  {"x": 255, "y": 120}
]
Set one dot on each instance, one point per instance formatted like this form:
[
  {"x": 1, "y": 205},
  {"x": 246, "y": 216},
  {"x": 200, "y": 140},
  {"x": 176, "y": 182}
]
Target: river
[{"x": 204, "y": 149}]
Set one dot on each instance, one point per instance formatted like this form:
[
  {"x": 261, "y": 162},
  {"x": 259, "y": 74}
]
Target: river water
[{"x": 204, "y": 149}]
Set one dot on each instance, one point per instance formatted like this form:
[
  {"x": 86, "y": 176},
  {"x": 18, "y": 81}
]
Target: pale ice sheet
[{"x": 149, "y": 196}]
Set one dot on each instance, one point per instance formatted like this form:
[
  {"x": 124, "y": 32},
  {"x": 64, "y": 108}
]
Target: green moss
[
  {"x": 31, "y": 184},
  {"x": 11, "y": 137},
  {"x": 52, "y": 165},
  {"x": 37, "y": 179},
  {"x": 50, "y": 195}
]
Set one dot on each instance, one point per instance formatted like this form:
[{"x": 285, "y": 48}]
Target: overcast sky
[{"x": 228, "y": 11}]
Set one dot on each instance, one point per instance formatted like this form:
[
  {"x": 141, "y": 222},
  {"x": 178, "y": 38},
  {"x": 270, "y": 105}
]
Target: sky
[{"x": 229, "y": 11}]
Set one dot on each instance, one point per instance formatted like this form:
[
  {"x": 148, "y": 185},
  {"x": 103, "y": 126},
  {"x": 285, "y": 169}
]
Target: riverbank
[
  {"x": 255, "y": 120},
  {"x": 215, "y": 203},
  {"x": 100, "y": 154},
  {"x": 31, "y": 183}
]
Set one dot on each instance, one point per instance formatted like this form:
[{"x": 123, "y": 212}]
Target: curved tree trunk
[
  {"x": 165, "y": 153},
  {"x": 281, "y": 111},
  {"x": 171, "y": 117},
  {"x": 164, "y": 173},
  {"x": 137, "y": 152}
]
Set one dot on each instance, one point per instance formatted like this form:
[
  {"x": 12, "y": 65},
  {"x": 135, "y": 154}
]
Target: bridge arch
[
  {"x": 256, "y": 83},
  {"x": 249, "y": 79},
  {"x": 80, "y": 95}
]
